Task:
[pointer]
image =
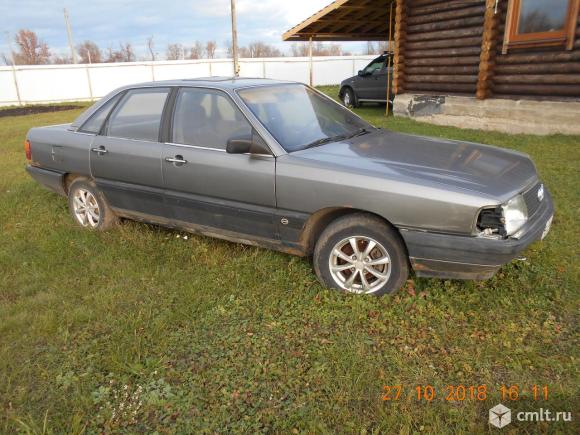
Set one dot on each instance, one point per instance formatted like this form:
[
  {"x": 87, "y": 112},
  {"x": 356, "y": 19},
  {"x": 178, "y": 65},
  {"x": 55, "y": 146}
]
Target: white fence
[{"x": 60, "y": 83}]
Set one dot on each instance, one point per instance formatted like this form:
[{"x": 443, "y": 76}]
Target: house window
[{"x": 537, "y": 23}]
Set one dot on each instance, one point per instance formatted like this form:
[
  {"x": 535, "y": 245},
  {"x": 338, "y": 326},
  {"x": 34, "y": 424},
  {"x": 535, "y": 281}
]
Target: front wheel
[
  {"x": 361, "y": 254},
  {"x": 349, "y": 99}
]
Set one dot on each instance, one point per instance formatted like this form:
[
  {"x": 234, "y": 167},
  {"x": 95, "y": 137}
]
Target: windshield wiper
[
  {"x": 325, "y": 140},
  {"x": 359, "y": 132}
]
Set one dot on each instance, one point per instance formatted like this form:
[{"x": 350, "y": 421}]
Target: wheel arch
[
  {"x": 320, "y": 220},
  {"x": 69, "y": 178}
]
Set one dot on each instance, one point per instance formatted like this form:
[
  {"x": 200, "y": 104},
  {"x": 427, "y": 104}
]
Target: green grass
[{"x": 140, "y": 330}]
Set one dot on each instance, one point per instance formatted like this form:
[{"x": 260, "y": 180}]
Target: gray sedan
[{"x": 280, "y": 165}]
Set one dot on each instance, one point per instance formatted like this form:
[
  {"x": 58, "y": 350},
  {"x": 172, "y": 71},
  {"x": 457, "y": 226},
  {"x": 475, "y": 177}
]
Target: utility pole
[
  {"x": 235, "y": 40},
  {"x": 310, "y": 64},
  {"x": 13, "y": 69},
  {"x": 70, "y": 40}
]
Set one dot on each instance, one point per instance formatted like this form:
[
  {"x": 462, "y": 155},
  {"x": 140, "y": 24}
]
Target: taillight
[{"x": 27, "y": 150}]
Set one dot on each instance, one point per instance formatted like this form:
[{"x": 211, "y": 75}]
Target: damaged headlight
[
  {"x": 504, "y": 220},
  {"x": 515, "y": 214}
]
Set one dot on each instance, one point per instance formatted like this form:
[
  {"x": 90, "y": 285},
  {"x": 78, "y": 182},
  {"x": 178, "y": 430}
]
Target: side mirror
[
  {"x": 361, "y": 73},
  {"x": 239, "y": 145},
  {"x": 253, "y": 144}
]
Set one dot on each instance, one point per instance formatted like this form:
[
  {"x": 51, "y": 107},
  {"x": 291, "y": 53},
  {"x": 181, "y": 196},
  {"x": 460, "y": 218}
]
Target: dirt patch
[{"x": 32, "y": 110}]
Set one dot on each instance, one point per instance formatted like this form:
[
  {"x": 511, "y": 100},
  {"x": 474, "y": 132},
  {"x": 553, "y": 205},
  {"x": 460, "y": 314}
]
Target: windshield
[{"x": 299, "y": 117}]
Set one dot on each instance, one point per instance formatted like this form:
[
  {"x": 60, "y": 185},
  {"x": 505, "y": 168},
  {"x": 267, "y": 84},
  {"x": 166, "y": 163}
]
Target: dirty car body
[{"x": 265, "y": 174}]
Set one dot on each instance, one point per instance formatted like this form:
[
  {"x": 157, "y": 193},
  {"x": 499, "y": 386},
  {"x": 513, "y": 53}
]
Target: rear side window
[
  {"x": 95, "y": 122},
  {"x": 207, "y": 118},
  {"x": 138, "y": 115}
]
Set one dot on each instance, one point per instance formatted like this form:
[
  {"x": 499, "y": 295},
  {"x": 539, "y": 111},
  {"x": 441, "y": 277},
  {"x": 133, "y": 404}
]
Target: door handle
[
  {"x": 100, "y": 150},
  {"x": 176, "y": 159}
]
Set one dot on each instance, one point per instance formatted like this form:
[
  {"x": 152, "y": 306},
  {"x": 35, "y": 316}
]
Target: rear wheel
[
  {"x": 349, "y": 98},
  {"x": 88, "y": 206},
  {"x": 361, "y": 254}
]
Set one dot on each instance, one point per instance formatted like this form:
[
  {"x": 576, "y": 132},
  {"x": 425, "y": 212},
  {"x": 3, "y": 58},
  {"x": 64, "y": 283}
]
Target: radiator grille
[{"x": 531, "y": 199}]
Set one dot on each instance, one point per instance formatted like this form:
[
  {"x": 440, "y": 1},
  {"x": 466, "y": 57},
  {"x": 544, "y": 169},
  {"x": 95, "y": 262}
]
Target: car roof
[
  {"x": 216, "y": 82},
  {"x": 225, "y": 83}
]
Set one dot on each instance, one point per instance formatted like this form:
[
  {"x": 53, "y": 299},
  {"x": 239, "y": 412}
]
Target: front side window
[
  {"x": 95, "y": 122},
  {"x": 299, "y": 117},
  {"x": 541, "y": 22},
  {"x": 207, "y": 118},
  {"x": 375, "y": 65},
  {"x": 138, "y": 115}
]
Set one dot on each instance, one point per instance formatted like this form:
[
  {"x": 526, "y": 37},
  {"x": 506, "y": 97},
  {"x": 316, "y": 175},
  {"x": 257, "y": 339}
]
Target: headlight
[{"x": 515, "y": 214}]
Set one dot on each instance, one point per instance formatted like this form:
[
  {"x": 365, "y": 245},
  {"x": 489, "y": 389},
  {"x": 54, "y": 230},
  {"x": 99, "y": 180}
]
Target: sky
[{"x": 108, "y": 22}]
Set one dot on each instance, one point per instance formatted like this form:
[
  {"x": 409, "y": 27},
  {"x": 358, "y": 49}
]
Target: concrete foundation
[{"x": 508, "y": 116}]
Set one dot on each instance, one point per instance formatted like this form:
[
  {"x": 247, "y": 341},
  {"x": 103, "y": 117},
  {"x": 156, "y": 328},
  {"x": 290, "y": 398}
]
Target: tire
[
  {"x": 381, "y": 278},
  {"x": 88, "y": 207},
  {"x": 349, "y": 98}
]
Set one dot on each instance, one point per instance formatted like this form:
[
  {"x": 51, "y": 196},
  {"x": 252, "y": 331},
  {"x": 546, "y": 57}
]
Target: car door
[
  {"x": 125, "y": 158},
  {"x": 379, "y": 87},
  {"x": 366, "y": 84},
  {"x": 204, "y": 184}
]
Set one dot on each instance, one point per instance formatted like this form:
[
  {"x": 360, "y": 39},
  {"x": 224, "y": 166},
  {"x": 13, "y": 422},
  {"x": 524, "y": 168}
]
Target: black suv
[{"x": 370, "y": 85}]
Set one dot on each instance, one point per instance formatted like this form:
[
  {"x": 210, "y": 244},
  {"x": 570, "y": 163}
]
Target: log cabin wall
[
  {"x": 549, "y": 73},
  {"x": 442, "y": 46}
]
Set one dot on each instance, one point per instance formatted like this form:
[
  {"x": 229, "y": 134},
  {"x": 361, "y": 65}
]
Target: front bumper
[{"x": 460, "y": 257}]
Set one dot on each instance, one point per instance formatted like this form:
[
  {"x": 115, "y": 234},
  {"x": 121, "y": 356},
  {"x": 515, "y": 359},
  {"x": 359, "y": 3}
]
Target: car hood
[{"x": 465, "y": 166}]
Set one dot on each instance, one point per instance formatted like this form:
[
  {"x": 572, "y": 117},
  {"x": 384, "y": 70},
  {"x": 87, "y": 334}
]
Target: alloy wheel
[
  {"x": 86, "y": 208},
  {"x": 360, "y": 264}
]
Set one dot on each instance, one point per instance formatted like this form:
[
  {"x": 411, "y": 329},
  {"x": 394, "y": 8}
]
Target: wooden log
[
  {"x": 488, "y": 51},
  {"x": 440, "y": 7},
  {"x": 441, "y": 87},
  {"x": 548, "y": 68},
  {"x": 459, "y": 51},
  {"x": 550, "y": 79},
  {"x": 474, "y": 41},
  {"x": 443, "y": 61},
  {"x": 398, "y": 55},
  {"x": 445, "y": 34},
  {"x": 431, "y": 18},
  {"x": 558, "y": 90},
  {"x": 440, "y": 78},
  {"x": 545, "y": 57},
  {"x": 457, "y": 70},
  {"x": 445, "y": 25}
]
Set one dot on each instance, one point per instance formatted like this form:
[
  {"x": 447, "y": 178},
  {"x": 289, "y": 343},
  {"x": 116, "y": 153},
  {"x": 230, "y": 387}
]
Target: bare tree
[
  {"x": 210, "y": 47},
  {"x": 61, "y": 60},
  {"x": 31, "y": 50},
  {"x": 379, "y": 48},
  {"x": 124, "y": 54},
  {"x": 260, "y": 49},
  {"x": 318, "y": 49},
  {"x": 151, "y": 47},
  {"x": 229, "y": 49},
  {"x": 89, "y": 52},
  {"x": 174, "y": 52},
  {"x": 196, "y": 52},
  {"x": 299, "y": 50}
]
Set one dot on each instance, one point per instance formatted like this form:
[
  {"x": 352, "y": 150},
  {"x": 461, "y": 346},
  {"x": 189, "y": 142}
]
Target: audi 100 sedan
[{"x": 280, "y": 165}]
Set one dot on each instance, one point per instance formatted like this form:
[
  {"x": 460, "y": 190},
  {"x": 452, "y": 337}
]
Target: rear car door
[
  {"x": 204, "y": 184},
  {"x": 125, "y": 157}
]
